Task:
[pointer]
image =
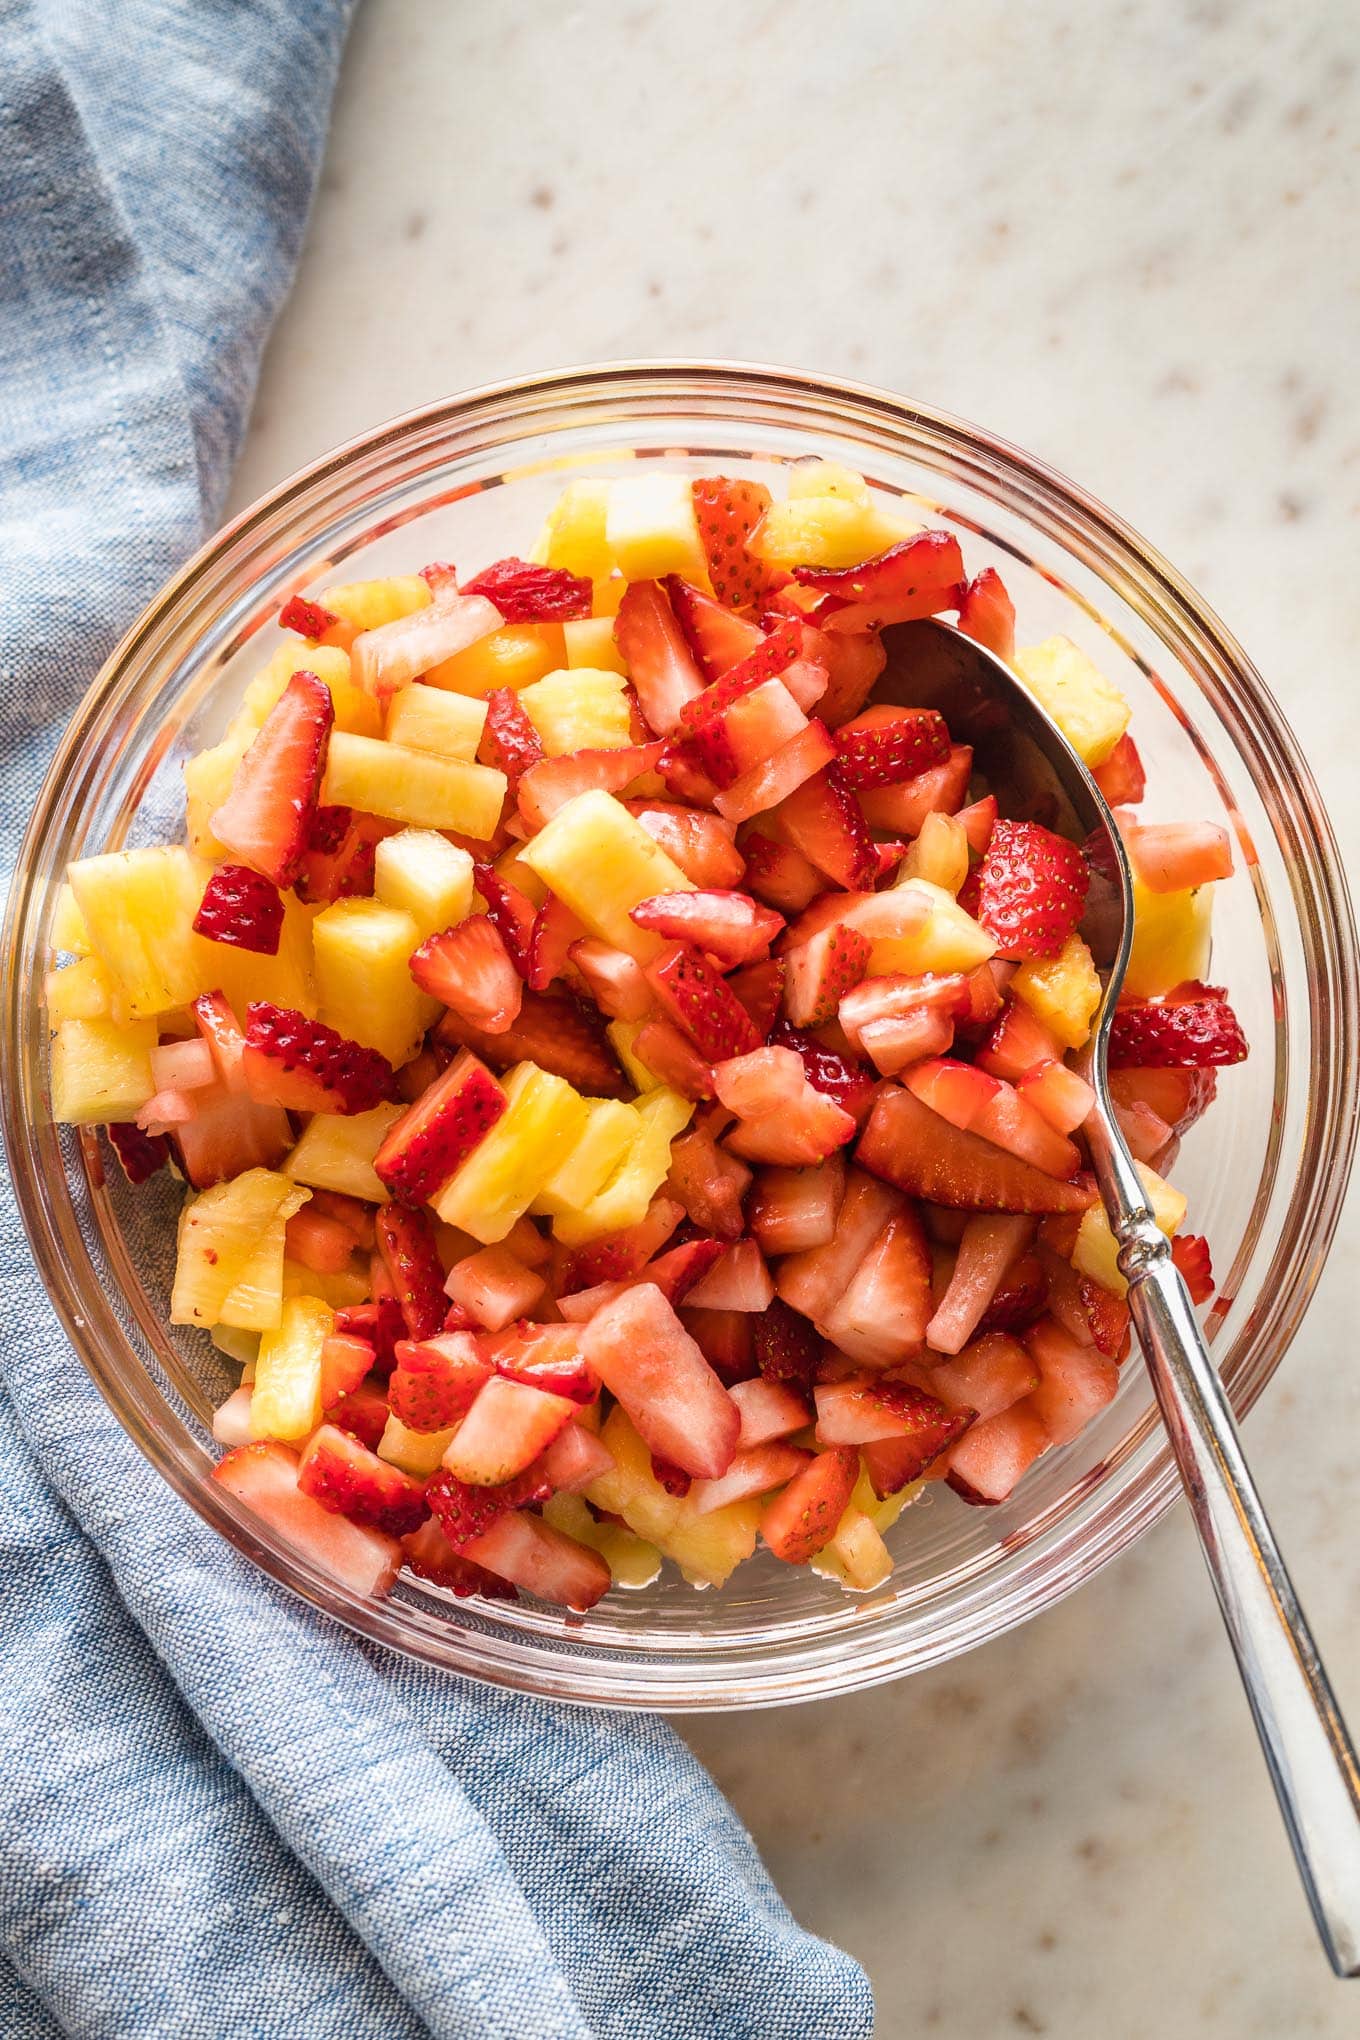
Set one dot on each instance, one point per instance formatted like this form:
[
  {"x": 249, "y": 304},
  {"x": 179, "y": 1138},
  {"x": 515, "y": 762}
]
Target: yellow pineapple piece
[
  {"x": 882, "y": 1514},
  {"x": 417, "y": 1452},
  {"x": 139, "y": 907},
  {"x": 342, "y": 1290},
  {"x": 581, "y": 710},
  {"x": 856, "y": 1555},
  {"x": 241, "y": 1347},
  {"x": 630, "y": 1489},
  {"x": 1096, "y": 1254},
  {"x": 826, "y": 531},
  {"x": 368, "y": 605},
  {"x": 816, "y": 478},
  {"x": 286, "y": 1399},
  {"x": 607, "y": 599},
  {"x": 939, "y": 854},
  {"x": 433, "y": 719},
  {"x": 631, "y": 1560},
  {"x": 1089, "y": 709},
  {"x": 623, "y": 1033},
  {"x": 363, "y": 977},
  {"x": 502, "y": 1176},
  {"x": 611, "y": 1128},
  {"x": 69, "y": 933},
  {"x": 662, "y": 1113},
  {"x": 511, "y": 657},
  {"x": 600, "y": 862},
  {"x": 82, "y": 990},
  {"x": 336, "y": 1152},
  {"x": 355, "y": 709},
  {"x": 651, "y": 528},
  {"x": 918, "y": 926},
  {"x": 515, "y": 871},
  {"x": 1171, "y": 938},
  {"x": 413, "y": 786},
  {"x": 101, "y": 1070},
  {"x": 709, "y": 1548},
  {"x": 424, "y": 875},
  {"x": 228, "y": 1237},
  {"x": 590, "y": 642},
  {"x": 207, "y": 782},
  {"x": 576, "y": 535},
  {"x": 284, "y": 979},
  {"x": 1064, "y": 990}
]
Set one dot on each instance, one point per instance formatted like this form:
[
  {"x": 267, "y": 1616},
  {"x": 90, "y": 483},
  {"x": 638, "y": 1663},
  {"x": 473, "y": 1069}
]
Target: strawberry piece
[
  {"x": 775, "y": 780},
  {"x": 504, "y": 1432},
  {"x": 989, "y": 1246},
  {"x": 988, "y": 1376},
  {"x": 547, "y": 787},
  {"x": 431, "y": 1557},
  {"x": 305, "y": 1066},
  {"x": 555, "y": 931},
  {"x": 977, "y": 1103},
  {"x": 1190, "y": 1252},
  {"x": 1121, "y": 778},
  {"x": 701, "y": 1002},
  {"x": 738, "y": 1280},
  {"x": 779, "y": 874},
  {"x": 802, "y": 1520},
  {"x": 318, "y": 1242},
  {"x": 470, "y": 968},
  {"x": 1031, "y": 889},
  {"x": 786, "y": 1347},
  {"x": 436, "y": 1380},
  {"x": 338, "y": 858},
  {"x": 308, "y": 619},
  {"x": 701, "y": 844},
  {"x": 1178, "y": 1096},
  {"x": 724, "y": 1339},
  {"x": 1018, "y": 1042},
  {"x": 1175, "y": 856},
  {"x": 907, "y": 1143},
  {"x": 727, "y": 512},
  {"x": 728, "y": 925},
  {"x": 228, "y": 1131},
  {"x": 1192, "y": 1027},
  {"x": 760, "y": 988},
  {"x": 853, "y": 664},
  {"x": 886, "y": 753},
  {"x": 977, "y": 822},
  {"x": 942, "y": 789},
  {"x": 761, "y": 1081},
  {"x": 525, "y": 593},
  {"x": 673, "y": 1059},
  {"x": 241, "y": 909},
  {"x": 554, "y": 1030},
  {"x": 1076, "y": 1381},
  {"x": 863, "y": 1410},
  {"x": 140, "y": 1154},
  {"x": 660, "y": 664},
  {"x": 933, "y": 1427},
  {"x": 542, "y": 1560},
  {"x": 827, "y": 1070},
  {"x": 386, "y": 659},
  {"x": 672, "y": 1478},
  {"x": 918, "y": 577},
  {"x": 769, "y": 658},
  {"x": 615, "y": 1256},
  {"x": 880, "y": 1317},
  {"x": 796, "y": 1134},
  {"x": 674, "y": 1274},
  {"x": 267, "y": 813},
  {"x": 380, "y": 1323},
  {"x": 814, "y": 1282},
  {"x": 879, "y": 998},
  {"x": 753, "y": 1472},
  {"x": 792, "y": 1210},
  {"x": 822, "y": 971},
  {"x": 709, "y": 1183},
  {"x": 987, "y": 613},
  {"x": 990, "y": 1458},
  {"x": 511, "y": 912},
  {"x": 511, "y": 742},
  {"x": 465, "y": 1511},
  {"x": 823, "y": 819},
  {"x": 613, "y": 978},
  {"x": 407, "y": 1245},
  {"x": 438, "y": 1133},
  {"x": 574, "y": 1460},
  {"x": 346, "y": 1362},
  {"x": 345, "y": 1477},
  {"x": 265, "y": 1477},
  {"x": 717, "y": 638},
  {"x": 494, "y": 1286},
  {"x": 1062, "y": 1097},
  {"x": 769, "y": 1410},
  {"x": 1108, "y": 1318},
  {"x": 439, "y": 576},
  {"x": 651, "y": 1365}
]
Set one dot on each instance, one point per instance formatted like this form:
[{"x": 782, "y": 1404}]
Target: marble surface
[{"x": 1122, "y": 235}]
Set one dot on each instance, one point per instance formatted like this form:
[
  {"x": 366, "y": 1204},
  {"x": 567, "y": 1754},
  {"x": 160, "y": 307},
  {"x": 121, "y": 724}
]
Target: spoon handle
[{"x": 1311, "y": 1758}]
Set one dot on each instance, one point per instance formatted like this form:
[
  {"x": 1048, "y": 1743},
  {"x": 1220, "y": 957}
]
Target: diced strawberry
[
  {"x": 769, "y": 1410},
  {"x": 575, "y": 1458},
  {"x": 909, "y": 1144},
  {"x": 990, "y": 1458},
  {"x": 990, "y": 1245},
  {"x": 894, "y": 1463},
  {"x": 494, "y": 1287},
  {"x": 836, "y": 1076},
  {"x": 881, "y": 1316},
  {"x": 346, "y": 1362},
  {"x": 739, "y": 1280},
  {"x": 1019, "y": 1042},
  {"x": 977, "y": 822},
  {"x": 672, "y": 1478},
  {"x": 701, "y": 1002},
  {"x": 919, "y": 577},
  {"x": 777, "y": 779},
  {"x": 435, "y": 1381},
  {"x": 265, "y": 1477},
  {"x": 547, "y": 787},
  {"x": 615, "y": 1256},
  {"x": 823, "y": 819},
  {"x": 1064, "y": 1098},
  {"x": 228, "y": 1131},
  {"x": 337, "y": 861},
  {"x": 511, "y": 742},
  {"x": 1019, "y": 1299},
  {"x": 660, "y": 664},
  {"x": 792, "y": 1210},
  {"x": 792, "y": 1135},
  {"x": 879, "y": 998},
  {"x": 1031, "y": 888},
  {"x": 544, "y": 1561},
  {"x": 1121, "y": 778},
  {"x": 525, "y": 593},
  {"x": 779, "y": 874},
  {"x": 613, "y": 978},
  {"x": 431, "y": 1557},
  {"x": 942, "y": 789},
  {"x": 318, "y": 1242},
  {"x": 745, "y": 735},
  {"x": 717, "y": 638},
  {"x": 673, "y": 1059},
  {"x": 509, "y": 1424},
  {"x": 1108, "y": 1319},
  {"x": 555, "y": 1030},
  {"x": 1075, "y": 1381},
  {"x": 709, "y": 1183},
  {"x": 1190, "y": 1252},
  {"x": 345, "y": 1477},
  {"x": 760, "y": 988},
  {"x": 266, "y": 815},
  {"x": 701, "y": 844},
  {"x": 977, "y": 1103},
  {"x": 727, "y": 925},
  {"x": 853, "y": 664},
  {"x": 760, "y": 1081},
  {"x": 555, "y": 930},
  {"x": 1178, "y": 1096},
  {"x": 785, "y": 1346},
  {"x": 385, "y": 659},
  {"x": 821, "y": 971},
  {"x": 755, "y": 1471},
  {"x": 541, "y": 1356},
  {"x": 813, "y": 1282},
  {"x": 987, "y": 1376},
  {"x": 727, "y": 512},
  {"x": 987, "y": 613},
  {"x": 443, "y": 1126},
  {"x": 466, "y": 1511},
  {"x": 165, "y": 1112},
  {"x": 768, "y": 659},
  {"x": 471, "y": 970},
  {"x": 308, "y": 619},
  {"x": 407, "y": 1245},
  {"x": 1174, "y": 856},
  {"x": 140, "y": 1154},
  {"x": 803, "y": 1519},
  {"x": 305, "y": 1066},
  {"x": 885, "y": 753},
  {"x": 1192, "y": 1027},
  {"x": 652, "y": 1366},
  {"x": 241, "y": 909}
]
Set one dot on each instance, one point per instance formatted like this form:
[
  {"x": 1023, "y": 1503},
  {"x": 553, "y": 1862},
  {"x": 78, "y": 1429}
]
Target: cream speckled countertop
[{"x": 1124, "y": 236}]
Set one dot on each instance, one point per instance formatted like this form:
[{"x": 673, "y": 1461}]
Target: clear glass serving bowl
[{"x": 470, "y": 480}]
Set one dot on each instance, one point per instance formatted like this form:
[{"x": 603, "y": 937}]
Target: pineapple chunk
[
  {"x": 623, "y": 1201},
  {"x": 826, "y": 531},
  {"x": 82, "y": 990},
  {"x": 516, "y": 872},
  {"x": 651, "y": 529},
  {"x": 576, "y": 535},
  {"x": 341, "y": 1290},
  {"x": 417, "y": 1452},
  {"x": 939, "y": 854},
  {"x": 584, "y": 709},
  {"x": 814, "y": 478},
  {"x": 1171, "y": 938},
  {"x": 856, "y": 1555},
  {"x": 1089, "y": 709},
  {"x": 600, "y": 862},
  {"x": 607, "y": 599},
  {"x": 590, "y": 643},
  {"x": 882, "y": 1514},
  {"x": 286, "y": 1399},
  {"x": 139, "y": 907},
  {"x": 630, "y": 1488},
  {"x": 631, "y": 1560},
  {"x": 363, "y": 976},
  {"x": 69, "y": 933},
  {"x": 367, "y": 605},
  {"x": 230, "y": 1237},
  {"x": 433, "y": 719},
  {"x": 623, "y": 1033},
  {"x": 101, "y": 1070},
  {"x": 944, "y": 939},
  {"x": 500, "y": 1179},
  {"x": 207, "y": 782},
  {"x": 355, "y": 708},
  {"x": 242, "y": 975},
  {"x": 424, "y": 875},
  {"x": 1096, "y": 1253},
  {"x": 336, "y": 1152},
  {"x": 709, "y": 1548},
  {"x": 510, "y": 657},
  {"x": 412, "y": 786},
  {"x": 241, "y": 1347},
  {"x": 1064, "y": 990},
  {"x": 611, "y": 1128}
]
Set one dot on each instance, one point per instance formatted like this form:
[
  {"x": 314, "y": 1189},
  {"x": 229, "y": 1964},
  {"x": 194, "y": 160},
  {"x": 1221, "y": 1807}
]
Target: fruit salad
[{"x": 624, "y": 1079}]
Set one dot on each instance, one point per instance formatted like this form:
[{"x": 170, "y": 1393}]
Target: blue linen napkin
[{"x": 219, "y": 1814}]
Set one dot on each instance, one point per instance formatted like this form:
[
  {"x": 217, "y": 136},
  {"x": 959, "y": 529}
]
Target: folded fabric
[{"x": 219, "y": 1814}]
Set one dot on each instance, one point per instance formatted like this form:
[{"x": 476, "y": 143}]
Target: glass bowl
[{"x": 469, "y": 480}]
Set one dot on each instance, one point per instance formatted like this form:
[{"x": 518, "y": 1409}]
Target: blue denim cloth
[{"x": 220, "y": 1815}]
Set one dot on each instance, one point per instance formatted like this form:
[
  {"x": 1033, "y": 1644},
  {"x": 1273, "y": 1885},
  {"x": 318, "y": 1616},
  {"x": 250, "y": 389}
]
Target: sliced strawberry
[
  {"x": 1190, "y": 1252},
  {"x": 443, "y": 1126},
  {"x": 140, "y": 1154},
  {"x": 1178, "y": 1096},
  {"x": 990, "y": 1458},
  {"x": 494, "y": 1286},
  {"x": 341, "y": 1474},
  {"x": 1076, "y": 1381},
  {"x": 265, "y": 1477},
  {"x": 909, "y": 1144},
  {"x": 879, "y": 998},
  {"x": 228, "y": 1131},
  {"x": 794, "y": 1135},
  {"x": 338, "y": 858},
  {"x": 554, "y": 1030},
  {"x": 555, "y": 931},
  {"x": 1108, "y": 1319},
  {"x": 987, "y": 613},
  {"x": 836, "y": 1076},
  {"x": 942, "y": 789},
  {"x": 1192, "y": 1027},
  {"x": 775, "y": 780},
  {"x": 660, "y": 664},
  {"x": 544, "y": 1561},
  {"x": 761, "y": 1081},
  {"x": 471, "y": 970},
  {"x": 380, "y": 1323},
  {"x": 346, "y": 1362},
  {"x": 727, "y": 512},
  {"x": 385, "y": 659},
  {"x": 821, "y": 972},
  {"x": 701, "y": 1002},
  {"x": 989, "y": 1375},
  {"x": 1062, "y": 1097},
  {"x": 769, "y": 1410},
  {"x": 436, "y": 1380},
  {"x": 863, "y": 1410},
  {"x": 786, "y": 1347},
  {"x": 651, "y": 1365},
  {"x": 511, "y": 912},
  {"x": 769, "y": 658},
  {"x": 673, "y": 1059},
  {"x": 853, "y": 663},
  {"x": 760, "y": 988},
  {"x": 738, "y": 1280},
  {"x": 802, "y": 1520},
  {"x": 613, "y": 978},
  {"x": 267, "y": 813},
  {"x": 525, "y": 593},
  {"x": 823, "y": 819},
  {"x": 977, "y": 1103},
  {"x": 728, "y": 925},
  {"x": 305, "y": 1066},
  {"x": 241, "y": 909},
  {"x": 1121, "y": 778},
  {"x": 511, "y": 742},
  {"x": 724, "y": 1339},
  {"x": 779, "y": 874},
  {"x": 919, "y": 577},
  {"x": 308, "y": 619},
  {"x": 407, "y": 1245},
  {"x": 709, "y": 1183},
  {"x": 754, "y": 1471},
  {"x": 1031, "y": 889},
  {"x": 506, "y": 1429},
  {"x": 1018, "y": 1042},
  {"x": 615, "y": 1256},
  {"x": 792, "y": 1210},
  {"x": 574, "y": 1460},
  {"x": 991, "y": 1243},
  {"x": 717, "y": 638},
  {"x": 466, "y": 1512},
  {"x": 736, "y": 740},
  {"x": 887, "y": 752},
  {"x": 880, "y": 1317},
  {"x": 977, "y": 822},
  {"x": 431, "y": 1557},
  {"x": 701, "y": 844},
  {"x": 547, "y": 787},
  {"x": 1176, "y": 856}
]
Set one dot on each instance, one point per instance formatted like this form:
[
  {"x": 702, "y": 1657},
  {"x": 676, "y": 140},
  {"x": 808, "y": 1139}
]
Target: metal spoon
[{"x": 1309, "y": 1753}]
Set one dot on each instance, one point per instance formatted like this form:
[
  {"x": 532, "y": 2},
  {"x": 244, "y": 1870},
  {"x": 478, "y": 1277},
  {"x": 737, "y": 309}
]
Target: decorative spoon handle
[{"x": 1311, "y": 1758}]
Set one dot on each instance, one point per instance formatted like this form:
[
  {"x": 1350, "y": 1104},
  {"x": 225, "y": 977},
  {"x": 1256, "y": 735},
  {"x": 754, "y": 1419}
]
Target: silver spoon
[{"x": 1309, "y": 1753}]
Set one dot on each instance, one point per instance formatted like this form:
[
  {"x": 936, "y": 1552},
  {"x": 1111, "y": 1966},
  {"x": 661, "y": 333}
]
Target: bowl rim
[{"x": 1317, "y": 891}]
